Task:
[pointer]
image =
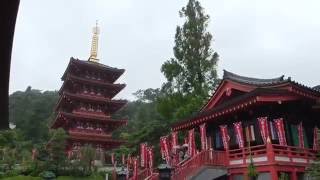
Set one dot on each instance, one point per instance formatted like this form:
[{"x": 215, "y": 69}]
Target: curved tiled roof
[
  {"x": 253, "y": 81},
  {"x": 317, "y": 88}
]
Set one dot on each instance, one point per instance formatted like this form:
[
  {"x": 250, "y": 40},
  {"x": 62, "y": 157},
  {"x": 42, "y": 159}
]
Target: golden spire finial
[{"x": 94, "y": 44}]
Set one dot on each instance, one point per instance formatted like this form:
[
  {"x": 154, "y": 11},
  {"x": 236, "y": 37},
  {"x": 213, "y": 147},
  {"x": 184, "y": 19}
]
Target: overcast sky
[{"x": 265, "y": 38}]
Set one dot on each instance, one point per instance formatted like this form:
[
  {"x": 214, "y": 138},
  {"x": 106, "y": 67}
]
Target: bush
[{"x": 47, "y": 175}]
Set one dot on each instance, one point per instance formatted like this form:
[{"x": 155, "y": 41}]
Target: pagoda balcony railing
[
  {"x": 270, "y": 153},
  {"x": 90, "y": 113},
  {"x": 96, "y": 80},
  {"x": 91, "y": 94},
  {"x": 87, "y": 132},
  {"x": 95, "y": 131},
  {"x": 204, "y": 158}
]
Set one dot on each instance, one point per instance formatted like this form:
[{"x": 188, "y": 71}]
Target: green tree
[
  {"x": 87, "y": 158},
  {"x": 31, "y": 111},
  {"x": 192, "y": 73},
  {"x": 56, "y": 148}
]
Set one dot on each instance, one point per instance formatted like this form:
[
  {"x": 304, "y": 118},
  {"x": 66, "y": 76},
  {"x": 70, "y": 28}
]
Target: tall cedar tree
[{"x": 192, "y": 73}]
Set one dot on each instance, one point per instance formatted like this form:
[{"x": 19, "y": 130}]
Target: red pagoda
[
  {"x": 269, "y": 124},
  {"x": 86, "y": 103}
]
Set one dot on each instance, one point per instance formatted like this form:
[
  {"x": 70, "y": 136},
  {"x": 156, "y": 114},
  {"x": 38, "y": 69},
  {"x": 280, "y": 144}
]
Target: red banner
[
  {"x": 264, "y": 130},
  {"x": 315, "y": 139},
  {"x": 300, "y": 135},
  {"x": 174, "y": 141},
  {"x": 143, "y": 154},
  {"x": 164, "y": 146},
  {"x": 112, "y": 159},
  {"x": 135, "y": 169},
  {"x": 174, "y": 145},
  {"x": 191, "y": 144},
  {"x": 225, "y": 136},
  {"x": 150, "y": 159},
  {"x": 203, "y": 136},
  {"x": 186, "y": 140},
  {"x": 128, "y": 165},
  {"x": 280, "y": 131},
  {"x": 239, "y": 133}
]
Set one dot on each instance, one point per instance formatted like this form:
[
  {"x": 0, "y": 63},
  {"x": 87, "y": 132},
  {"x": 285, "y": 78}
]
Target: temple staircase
[
  {"x": 207, "y": 164},
  {"x": 210, "y": 173}
]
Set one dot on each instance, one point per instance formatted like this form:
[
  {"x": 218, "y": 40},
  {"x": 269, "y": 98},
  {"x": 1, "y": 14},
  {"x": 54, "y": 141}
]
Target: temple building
[
  {"x": 270, "y": 124},
  {"x": 86, "y": 103}
]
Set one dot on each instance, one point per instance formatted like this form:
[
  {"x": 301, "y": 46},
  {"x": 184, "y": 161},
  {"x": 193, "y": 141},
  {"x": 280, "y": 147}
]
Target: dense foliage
[
  {"x": 191, "y": 74},
  {"x": 31, "y": 112}
]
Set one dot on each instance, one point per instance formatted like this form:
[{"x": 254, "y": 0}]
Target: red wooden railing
[
  {"x": 143, "y": 174},
  {"x": 153, "y": 176},
  {"x": 240, "y": 153},
  {"x": 271, "y": 151},
  {"x": 294, "y": 152},
  {"x": 189, "y": 167}
]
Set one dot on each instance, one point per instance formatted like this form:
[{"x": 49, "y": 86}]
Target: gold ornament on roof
[{"x": 94, "y": 44}]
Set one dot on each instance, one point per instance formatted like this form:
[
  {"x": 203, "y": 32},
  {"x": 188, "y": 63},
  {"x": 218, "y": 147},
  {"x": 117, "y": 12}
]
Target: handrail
[
  {"x": 208, "y": 157},
  {"x": 153, "y": 176}
]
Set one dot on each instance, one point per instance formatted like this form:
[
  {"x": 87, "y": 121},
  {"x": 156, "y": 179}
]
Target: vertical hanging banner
[
  {"x": 150, "y": 159},
  {"x": 186, "y": 140},
  {"x": 239, "y": 133},
  {"x": 315, "y": 139},
  {"x": 135, "y": 169},
  {"x": 34, "y": 153},
  {"x": 128, "y": 166},
  {"x": 174, "y": 141},
  {"x": 123, "y": 159},
  {"x": 174, "y": 145},
  {"x": 280, "y": 131},
  {"x": 112, "y": 159},
  {"x": 264, "y": 130},
  {"x": 203, "y": 136},
  {"x": 164, "y": 146},
  {"x": 300, "y": 135},
  {"x": 143, "y": 153},
  {"x": 225, "y": 136},
  {"x": 191, "y": 143}
]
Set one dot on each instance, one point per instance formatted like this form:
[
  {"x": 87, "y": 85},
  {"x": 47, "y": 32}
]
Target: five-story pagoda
[{"x": 86, "y": 103}]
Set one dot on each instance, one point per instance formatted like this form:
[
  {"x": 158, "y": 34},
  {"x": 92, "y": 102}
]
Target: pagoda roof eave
[
  {"x": 95, "y": 65},
  {"x": 89, "y": 98},
  {"x": 119, "y": 123},
  {"x": 117, "y": 87},
  {"x": 256, "y": 96}
]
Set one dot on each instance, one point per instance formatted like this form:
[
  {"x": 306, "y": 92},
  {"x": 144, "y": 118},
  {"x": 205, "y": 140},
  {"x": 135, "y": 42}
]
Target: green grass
[
  {"x": 59, "y": 178},
  {"x": 22, "y": 178},
  {"x": 80, "y": 178}
]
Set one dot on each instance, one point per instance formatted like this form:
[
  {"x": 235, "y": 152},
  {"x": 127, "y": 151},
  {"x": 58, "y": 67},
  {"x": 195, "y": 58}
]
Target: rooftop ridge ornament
[{"x": 94, "y": 44}]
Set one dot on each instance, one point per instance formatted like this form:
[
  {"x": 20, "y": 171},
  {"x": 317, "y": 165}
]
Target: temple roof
[
  {"x": 116, "y": 73},
  {"x": 97, "y": 65},
  {"x": 253, "y": 81},
  {"x": 235, "y": 91},
  {"x": 317, "y": 88},
  {"x": 237, "y": 103}
]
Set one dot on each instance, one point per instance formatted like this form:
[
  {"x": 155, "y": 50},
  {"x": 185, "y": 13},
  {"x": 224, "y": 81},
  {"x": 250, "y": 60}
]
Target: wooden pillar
[
  {"x": 227, "y": 161},
  {"x": 294, "y": 175},
  {"x": 270, "y": 152},
  {"x": 274, "y": 173}
]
